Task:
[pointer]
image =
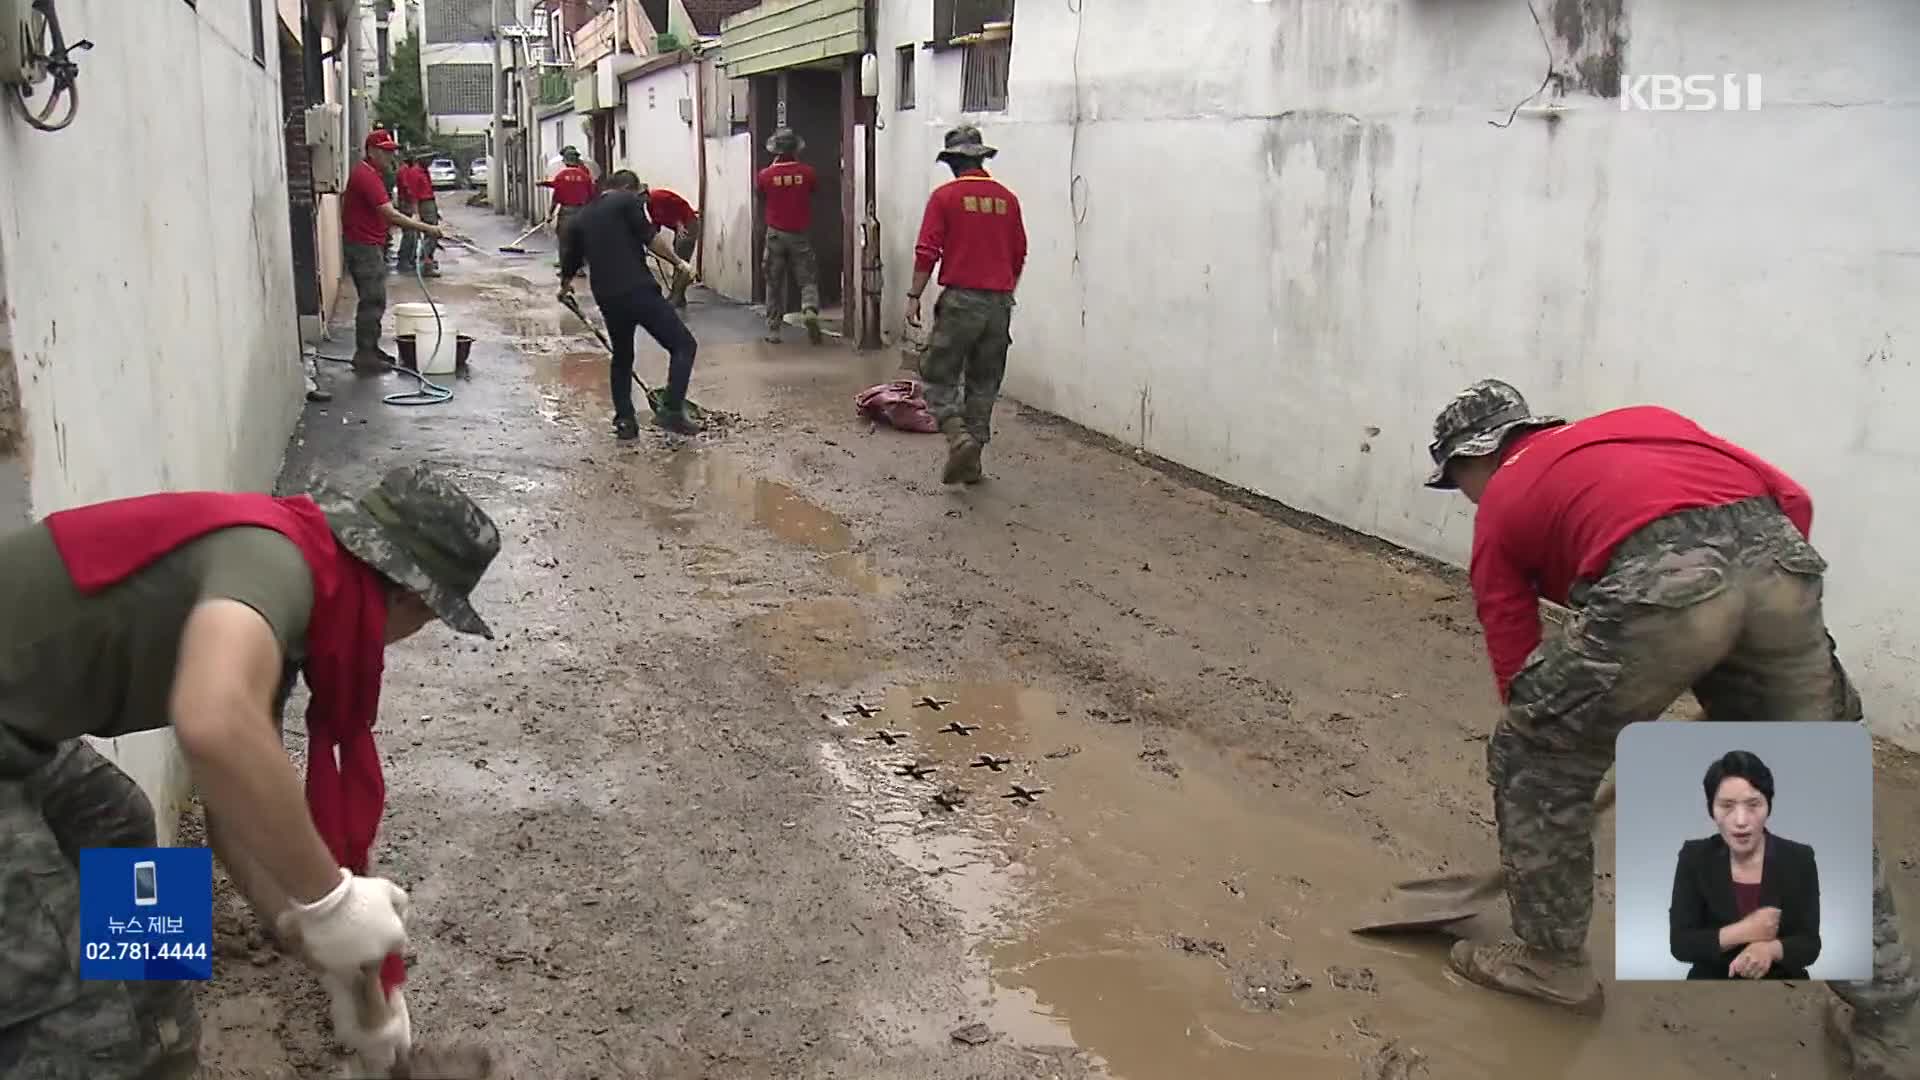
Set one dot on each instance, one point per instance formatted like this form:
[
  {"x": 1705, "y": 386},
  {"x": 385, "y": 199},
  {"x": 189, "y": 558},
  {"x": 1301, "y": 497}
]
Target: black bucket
[
  {"x": 409, "y": 357},
  {"x": 462, "y": 349}
]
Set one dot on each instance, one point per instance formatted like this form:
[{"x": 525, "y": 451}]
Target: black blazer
[{"x": 1703, "y": 903}]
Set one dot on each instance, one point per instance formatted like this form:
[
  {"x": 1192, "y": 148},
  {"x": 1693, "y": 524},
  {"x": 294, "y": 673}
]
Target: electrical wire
[{"x": 1544, "y": 80}]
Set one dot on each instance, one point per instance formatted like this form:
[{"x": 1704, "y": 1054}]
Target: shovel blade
[{"x": 1427, "y": 905}]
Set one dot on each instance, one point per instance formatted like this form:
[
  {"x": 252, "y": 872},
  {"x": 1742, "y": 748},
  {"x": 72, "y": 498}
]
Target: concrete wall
[
  {"x": 1274, "y": 264},
  {"x": 661, "y": 147},
  {"x": 151, "y": 304},
  {"x": 727, "y": 237}
]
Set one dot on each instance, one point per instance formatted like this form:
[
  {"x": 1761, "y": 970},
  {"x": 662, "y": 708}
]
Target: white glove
[
  {"x": 354, "y": 926},
  {"x": 378, "y": 1048}
]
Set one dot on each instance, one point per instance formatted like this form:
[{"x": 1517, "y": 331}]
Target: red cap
[{"x": 381, "y": 139}]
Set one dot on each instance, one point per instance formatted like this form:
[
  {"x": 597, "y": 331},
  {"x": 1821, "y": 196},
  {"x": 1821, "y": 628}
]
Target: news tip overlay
[
  {"x": 146, "y": 913},
  {"x": 1743, "y": 851}
]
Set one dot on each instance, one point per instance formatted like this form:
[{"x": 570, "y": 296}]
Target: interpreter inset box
[
  {"x": 1744, "y": 851},
  {"x": 146, "y": 913}
]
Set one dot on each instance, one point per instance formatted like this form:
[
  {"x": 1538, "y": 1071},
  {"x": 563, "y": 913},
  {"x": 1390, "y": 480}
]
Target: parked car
[
  {"x": 478, "y": 171},
  {"x": 444, "y": 173}
]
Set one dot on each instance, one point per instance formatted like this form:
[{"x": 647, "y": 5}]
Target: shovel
[
  {"x": 655, "y": 398},
  {"x": 1425, "y": 905}
]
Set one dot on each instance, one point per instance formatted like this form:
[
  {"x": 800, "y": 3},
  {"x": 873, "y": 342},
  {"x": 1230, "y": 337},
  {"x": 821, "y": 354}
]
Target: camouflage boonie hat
[
  {"x": 424, "y": 534},
  {"x": 785, "y": 141},
  {"x": 965, "y": 141},
  {"x": 570, "y": 153},
  {"x": 1476, "y": 422}
]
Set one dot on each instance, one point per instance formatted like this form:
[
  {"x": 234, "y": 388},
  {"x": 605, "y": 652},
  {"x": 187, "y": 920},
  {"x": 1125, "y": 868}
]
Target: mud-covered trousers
[
  {"x": 967, "y": 357},
  {"x": 53, "y": 1026},
  {"x": 1724, "y": 601}
]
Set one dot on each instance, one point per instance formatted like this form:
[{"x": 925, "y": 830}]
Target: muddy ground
[{"x": 650, "y": 833}]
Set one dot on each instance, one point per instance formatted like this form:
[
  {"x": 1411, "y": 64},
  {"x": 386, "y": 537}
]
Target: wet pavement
[{"x": 790, "y": 762}]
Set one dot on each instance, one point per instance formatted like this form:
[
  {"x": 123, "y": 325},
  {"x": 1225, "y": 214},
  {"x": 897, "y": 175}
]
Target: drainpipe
[
  {"x": 700, "y": 157},
  {"x": 871, "y": 278}
]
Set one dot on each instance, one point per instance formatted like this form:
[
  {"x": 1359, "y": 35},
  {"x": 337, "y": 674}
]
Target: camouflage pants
[
  {"x": 790, "y": 254},
  {"x": 1722, "y": 601},
  {"x": 53, "y": 1026},
  {"x": 967, "y": 357},
  {"x": 415, "y": 245}
]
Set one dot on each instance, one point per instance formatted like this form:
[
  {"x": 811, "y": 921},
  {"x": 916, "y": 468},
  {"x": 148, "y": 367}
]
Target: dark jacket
[
  {"x": 1703, "y": 903},
  {"x": 610, "y": 235}
]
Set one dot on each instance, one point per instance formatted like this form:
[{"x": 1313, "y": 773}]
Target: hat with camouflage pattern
[
  {"x": 785, "y": 141},
  {"x": 1476, "y": 422},
  {"x": 422, "y": 533},
  {"x": 966, "y": 141}
]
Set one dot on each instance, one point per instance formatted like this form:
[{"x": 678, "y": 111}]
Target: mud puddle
[{"x": 1144, "y": 906}]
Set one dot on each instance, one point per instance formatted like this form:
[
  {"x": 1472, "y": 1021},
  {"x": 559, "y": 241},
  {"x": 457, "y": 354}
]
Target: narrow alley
[{"x": 790, "y": 762}]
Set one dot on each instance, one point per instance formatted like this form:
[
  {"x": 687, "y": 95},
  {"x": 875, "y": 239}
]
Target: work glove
[
  {"x": 378, "y": 1042},
  {"x": 353, "y": 927}
]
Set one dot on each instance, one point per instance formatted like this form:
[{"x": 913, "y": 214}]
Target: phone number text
[{"x": 146, "y": 950}]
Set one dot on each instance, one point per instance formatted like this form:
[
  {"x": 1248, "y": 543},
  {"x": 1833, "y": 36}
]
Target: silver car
[
  {"x": 444, "y": 173},
  {"x": 478, "y": 172}
]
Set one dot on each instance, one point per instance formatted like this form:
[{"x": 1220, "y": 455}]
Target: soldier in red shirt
[
  {"x": 416, "y": 197},
  {"x": 667, "y": 210},
  {"x": 572, "y": 187},
  {"x": 973, "y": 230},
  {"x": 788, "y": 185},
  {"x": 366, "y": 213},
  {"x": 1687, "y": 565}
]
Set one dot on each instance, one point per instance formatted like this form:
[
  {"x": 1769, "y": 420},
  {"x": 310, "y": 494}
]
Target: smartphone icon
[{"x": 146, "y": 885}]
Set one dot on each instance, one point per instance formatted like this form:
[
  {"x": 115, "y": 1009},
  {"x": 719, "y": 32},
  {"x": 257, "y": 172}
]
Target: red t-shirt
[
  {"x": 360, "y": 206},
  {"x": 788, "y": 188},
  {"x": 972, "y": 229},
  {"x": 1565, "y": 497},
  {"x": 668, "y": 210},
  {"x": 572, "y": 186},
  {"x": 414, "y": 182}
]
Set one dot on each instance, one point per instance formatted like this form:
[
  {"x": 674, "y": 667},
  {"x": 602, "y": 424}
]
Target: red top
[
  {"x": 972, "y": 228},
  {"x": 788, "y": 188},
  {"x": 1564, "y": 498},
  {"x": 1746, "y": 898},
  {"x": 572, "y": 186},
  {"x": 108, "y": 542},
  {"x": 414, "y": 183},
  {"x": 360, "y": 206},
  {"x": 668, "y": 210}
]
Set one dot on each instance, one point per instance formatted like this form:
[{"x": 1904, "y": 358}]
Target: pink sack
[{"x": 897, "y": 404}]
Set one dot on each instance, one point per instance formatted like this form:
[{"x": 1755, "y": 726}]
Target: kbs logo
[{"x": 1689, "y": 93}]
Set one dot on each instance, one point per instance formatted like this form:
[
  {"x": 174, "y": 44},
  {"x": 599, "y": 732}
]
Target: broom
[
  {"x": 656, "y": 398},
  {"x": 514, "y": 248}
]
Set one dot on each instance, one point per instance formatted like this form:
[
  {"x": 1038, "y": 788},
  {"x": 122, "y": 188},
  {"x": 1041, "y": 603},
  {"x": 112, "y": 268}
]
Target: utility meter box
[
  {"x": 326, "y": 156},
  {"x": 23, "y": 37}
]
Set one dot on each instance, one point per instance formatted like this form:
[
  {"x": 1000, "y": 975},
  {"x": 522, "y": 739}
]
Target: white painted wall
[
  {"x": 661, "y": 147},
  {"x": 153, "y": 315},
  {"x": 727, "y": 234},
  {"x": 1282, "y": 234}
]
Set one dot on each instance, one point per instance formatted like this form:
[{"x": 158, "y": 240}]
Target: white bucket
[{"x": 418, "y": 320}]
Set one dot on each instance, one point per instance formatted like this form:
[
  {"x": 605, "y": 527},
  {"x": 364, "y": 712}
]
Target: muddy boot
[
  {"x": 963, "y": 453},
  {"x": 812, "y": 320},
  {"x": 369, "y": 362},
  {"x": 1875, "y": 1048},
  {"x": 1514, "y": 967},
  {"x": 626, "y": 428},
  {"x": 678, "y": 422}
]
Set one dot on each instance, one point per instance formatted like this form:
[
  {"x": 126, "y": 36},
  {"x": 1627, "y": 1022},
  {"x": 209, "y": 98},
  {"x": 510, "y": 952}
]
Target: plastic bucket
[
  {"x": 409, "y": 356},
  {"x": 433, "y": 338}
]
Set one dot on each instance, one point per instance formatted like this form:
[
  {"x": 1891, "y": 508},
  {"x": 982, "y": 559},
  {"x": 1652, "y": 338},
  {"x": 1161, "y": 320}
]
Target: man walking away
[
  {"x": 973, "y": 230},
  {"x": 418, "y": 199},
  {"x": 573, "y": 188},
  {"x": 668, "y": 210},
  {"x": 366, "y": 214},
  {"x": 787, "y": 186},
  {"x": 198, "y": 610},
  {"x": 1687, "y": 565},
  {"x": 612, "y": 236}
]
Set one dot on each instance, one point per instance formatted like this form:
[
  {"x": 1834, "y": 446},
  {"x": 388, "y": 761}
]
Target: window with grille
[
  {"x": 983, "y": 76},
  {"x": 958, "y": 18},
  {"x": 903, "y": 98},
  {"x": 460, "y": 89},
  {"x": 458, "y": 20}
]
